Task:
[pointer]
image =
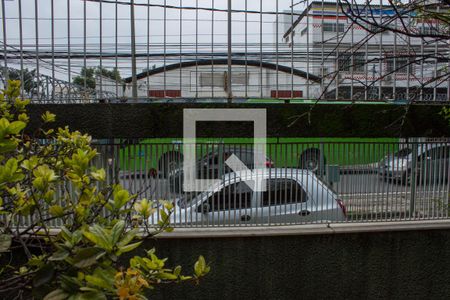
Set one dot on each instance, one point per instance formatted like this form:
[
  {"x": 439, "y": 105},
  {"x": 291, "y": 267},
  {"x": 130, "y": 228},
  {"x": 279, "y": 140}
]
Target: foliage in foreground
[{"x": 51, "y": 180}]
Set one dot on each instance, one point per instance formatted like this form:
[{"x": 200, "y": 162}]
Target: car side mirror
[{"x": 204, "y": 208}]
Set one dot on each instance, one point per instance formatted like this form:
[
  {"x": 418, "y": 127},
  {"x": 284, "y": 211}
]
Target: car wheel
[
  {"x": 406, "y": 178},
  {"x": 310, "y": 160},
  {"x": 169, "y": 163}
]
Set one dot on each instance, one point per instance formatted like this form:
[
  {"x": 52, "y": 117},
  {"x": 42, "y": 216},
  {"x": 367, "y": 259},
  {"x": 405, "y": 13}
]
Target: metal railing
[
  {"x": 315, "y": 182},
  {"x": 226, "y": 50}
]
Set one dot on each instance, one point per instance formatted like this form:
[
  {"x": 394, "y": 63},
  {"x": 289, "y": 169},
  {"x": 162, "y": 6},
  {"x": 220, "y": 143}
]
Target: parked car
[
  {"x": 212, "y": 165},
  {"x": 292, "y": 196},
  {"x": 429, "y": 164}
]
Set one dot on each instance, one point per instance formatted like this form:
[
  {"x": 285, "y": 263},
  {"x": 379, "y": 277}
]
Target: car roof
[{"x": 268, "y": 173}]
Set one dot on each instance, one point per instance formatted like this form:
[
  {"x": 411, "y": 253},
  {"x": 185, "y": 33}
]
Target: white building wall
[
  {"x": 323, "y": 48},
  {"x": 188, "y": 80}
]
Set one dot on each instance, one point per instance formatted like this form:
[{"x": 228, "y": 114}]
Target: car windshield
[{"x": 403, "y": 153}]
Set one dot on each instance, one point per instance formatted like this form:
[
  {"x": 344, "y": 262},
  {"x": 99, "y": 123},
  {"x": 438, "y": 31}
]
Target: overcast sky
[{"x": 150, "y": 28}]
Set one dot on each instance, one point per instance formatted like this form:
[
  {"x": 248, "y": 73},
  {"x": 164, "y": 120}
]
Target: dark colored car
[{"x": 212, "y": 165}]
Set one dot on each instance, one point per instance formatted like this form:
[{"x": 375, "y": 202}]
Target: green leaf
[
  {"x": 87, "y": 257},
  {"x": 168, "y": 276},
  {"x": 200, "y": 266},
  {"x": 44, "y": 275},
  {"x": 16, "y": 126},
  {"x": 56, "y": 210},
  {"x": 103, "y": 277},
  {"x": 48, "y": 117},
  {"x": 117, "y": 231},
  {"x": 128, "y": 237},
  {"x": 99, "y": 282},
  {"x": 5, "y": 242},
  {"x": 129, "y": 247},
  {"x": 56, "y": 295},
  {"x": 70, "y": 284},
  {"x": 177, "y": 270},
  {"x": 99, "y": 236},
  {"x": 97, "y": 295},
  {"x": 59, "y": 255},
  {"x": 99, "y": 175},
  {"x": 121, "y": 197}
]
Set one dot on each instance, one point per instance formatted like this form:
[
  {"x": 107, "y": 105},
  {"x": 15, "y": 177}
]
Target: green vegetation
[
  {"x": 63, "y": 230},
  {"x": 88, "y": 76}
]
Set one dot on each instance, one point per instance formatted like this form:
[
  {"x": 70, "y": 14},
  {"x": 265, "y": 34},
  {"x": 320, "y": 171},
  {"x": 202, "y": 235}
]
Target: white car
[{"x": 293, "y": 196}]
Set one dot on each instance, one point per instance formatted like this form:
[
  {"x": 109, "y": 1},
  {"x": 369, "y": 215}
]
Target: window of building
[
  {"x": 209, "y": 79},
  {"x": 283, "y": 191},
  {"x": 239, "y": 78},
  {"x": 379, "y": 29},
  {"x": 333, "y": 27},
  {"x": 428, "y": 30},
  {"x": 304, "y": 31},
  {"x": 398, "y": 65},
  {"x": 349, "y": 62}
]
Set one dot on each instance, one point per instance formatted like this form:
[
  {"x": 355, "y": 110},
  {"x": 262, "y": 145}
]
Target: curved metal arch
[{"x": 237, "y": 62}]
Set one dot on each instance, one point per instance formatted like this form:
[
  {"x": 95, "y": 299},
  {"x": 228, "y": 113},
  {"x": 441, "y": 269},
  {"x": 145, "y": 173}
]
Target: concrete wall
[{"x": 377, "y": 265}]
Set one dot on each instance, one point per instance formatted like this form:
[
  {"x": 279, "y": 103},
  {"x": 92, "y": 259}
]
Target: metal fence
[
  {"x": 315, "y": 182},
  {"x": 77, "y": 51}
]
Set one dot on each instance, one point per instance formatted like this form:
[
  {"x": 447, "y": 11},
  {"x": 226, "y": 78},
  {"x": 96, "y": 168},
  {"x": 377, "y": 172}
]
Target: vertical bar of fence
[
  {"x": 276, "y": 48},
  {"x": 101, "y": 49},
  {"x": 36, "y": 24},
  {"x": 5, "y": 43},
  {"x": 165, "y": 48},
  {"x": 85, "y": 46},
  {"x": 247, "y": 75},
  {"x": 133, "y": 53},
  {"x": 261, "y": 48},
  {"x": 148, "y": 49},
  {"x": 306, "y": 47},
  {"x": 229, "y": 41},
  {"x": 394, "y": 81},
  {"x": 339, "y": 76},
  {"x": 380, "y": 54},
  {"x": 435, "y": 73},
  {"x": 408, "y": 68},
  {"x": 197, "y": 83},
  {"x": 212, "y": 49},
  {"x": 291, "y": 38},
  {"x": 69, "y": 61},
  {"x": 354, "y": 67},
  {"x": 366, "y": 56},
  {"x": 412, "y": 203},
  {"x": 422, "y": 65},
  {"x": 22, "y": 86},
  {"x": 116, "y": 44},
  {"x": 181, "y": 46},
  {"x": 322, "y": 49},
  {"x": 52, "y": 8}
]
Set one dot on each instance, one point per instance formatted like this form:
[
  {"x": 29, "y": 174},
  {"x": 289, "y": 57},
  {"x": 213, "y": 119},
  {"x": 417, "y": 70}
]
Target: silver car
[
  {"x": 292, "y": 196},
  {"x": 427, "y": 162}
]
